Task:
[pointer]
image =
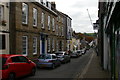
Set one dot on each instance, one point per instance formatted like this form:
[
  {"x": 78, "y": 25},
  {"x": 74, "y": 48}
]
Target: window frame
[
  {"x": 43, "y": 20},
  {"x": 57, "y": 45},
  {"x": 49, "y": 20},
  {"x": 25, "y": 44},
  {"x": 57, "y": 30},
  {"x": 62, "y": 31},
  {"x": 53, "y": 24},
  {"x": 62, "y": 44},
  {"x": 35, "y": 16},
  {"x": 2, "y": 13},
  {"x": 53, "y": 44},
  {"x": 26, "y": 13},
  {"x": 62, "y": 20},
  {"x": 48, "y": 44},
  {"x": 35, "y": 46}
]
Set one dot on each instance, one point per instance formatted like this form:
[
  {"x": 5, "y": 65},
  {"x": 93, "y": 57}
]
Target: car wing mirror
[{"x": 29, "y": 61}]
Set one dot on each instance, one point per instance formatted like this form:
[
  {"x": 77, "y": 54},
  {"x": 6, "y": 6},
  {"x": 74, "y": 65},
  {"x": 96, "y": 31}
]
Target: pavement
[{"x": 93, "y": 70}]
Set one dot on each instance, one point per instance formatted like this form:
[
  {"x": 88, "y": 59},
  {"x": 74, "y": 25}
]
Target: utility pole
[{"x": 90, "y": 17}]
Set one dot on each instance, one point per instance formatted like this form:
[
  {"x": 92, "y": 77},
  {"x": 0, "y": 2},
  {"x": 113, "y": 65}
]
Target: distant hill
[{"x": 89, "y": 34}]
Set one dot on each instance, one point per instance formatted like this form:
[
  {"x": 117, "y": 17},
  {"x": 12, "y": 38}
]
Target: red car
[{"x": 14, "y": 66}]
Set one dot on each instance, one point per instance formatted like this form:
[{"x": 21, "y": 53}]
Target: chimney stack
[{"x": 53, "y": 5}]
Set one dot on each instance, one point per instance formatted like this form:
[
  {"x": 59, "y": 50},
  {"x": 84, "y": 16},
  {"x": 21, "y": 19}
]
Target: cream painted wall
[{"x": 5, "y": 28}]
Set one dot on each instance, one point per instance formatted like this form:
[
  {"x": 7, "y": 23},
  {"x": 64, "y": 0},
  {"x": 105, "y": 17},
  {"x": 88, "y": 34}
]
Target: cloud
[{"x": 77, "y": 10}]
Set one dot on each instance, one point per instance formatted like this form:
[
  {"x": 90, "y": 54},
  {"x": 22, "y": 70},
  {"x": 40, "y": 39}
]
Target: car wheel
[
  {"x": 60, "y": 64},
  {"x": 11, "y": 76},
  {"x": 69, "y": 60},
  {"x": 38, "y": 67},
  {"x": 53, "y": 66},
  {"x": 64, "y": 62},
  {"x": 33, "y": 71}
]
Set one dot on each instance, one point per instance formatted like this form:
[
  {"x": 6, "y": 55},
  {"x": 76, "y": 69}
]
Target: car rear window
[
  {"x": 3, "y": 61},
  {"x": 45, "y": 57}
]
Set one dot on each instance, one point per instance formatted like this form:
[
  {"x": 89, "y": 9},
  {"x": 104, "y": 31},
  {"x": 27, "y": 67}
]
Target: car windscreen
[
  {"x": 41, "y": 57},
  {"x": 48, "y": 57},
  {"x": 59, "y": 53},
  {"x": 78, "y": 51}
]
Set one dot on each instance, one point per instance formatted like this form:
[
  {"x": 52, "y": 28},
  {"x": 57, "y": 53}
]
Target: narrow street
[
  {"x": 67, "y": 71},
  {"x": 47, "y": 33}
]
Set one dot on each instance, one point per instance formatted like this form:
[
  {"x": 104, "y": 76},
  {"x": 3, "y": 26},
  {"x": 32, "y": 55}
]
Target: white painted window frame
[
  {"x": 42, "y": 20},
  {"x": 35, "y": 12},
  {"x": 26, "y": 11},
  {"x": 26, "y": 40},
  {"x": 35, "y": 45},
  {"x": 49, "y": 22},
  {"x": 53, "y": 44},
  {"x": 57, "y": 30},
  {"x": 53, "y": 24},
  {"x": 2, "y": 13}
]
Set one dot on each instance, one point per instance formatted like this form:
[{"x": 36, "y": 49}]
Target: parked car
[
  {"x": 63, "y": 56},
  {"x": 79, "y": 52},
  {"x": 74, "y": 55},
  {"x": 48, "y": 60},
  {"x": 14, "y": 66},
  {"x": 83, "y": 51}
]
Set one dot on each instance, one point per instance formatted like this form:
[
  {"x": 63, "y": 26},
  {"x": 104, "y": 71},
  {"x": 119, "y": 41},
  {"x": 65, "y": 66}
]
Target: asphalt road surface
[{"x": 67, "y": 71}]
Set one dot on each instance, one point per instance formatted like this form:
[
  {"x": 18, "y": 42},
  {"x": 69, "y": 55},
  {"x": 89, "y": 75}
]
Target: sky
[{"x": 77, "y": 10}]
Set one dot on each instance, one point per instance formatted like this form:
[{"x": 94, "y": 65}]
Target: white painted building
[{"x": 4, "y": 28}]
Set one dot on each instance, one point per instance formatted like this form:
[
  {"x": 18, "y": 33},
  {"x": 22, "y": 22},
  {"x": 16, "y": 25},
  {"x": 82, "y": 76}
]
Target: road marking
[{"x": 86, "y": 68}]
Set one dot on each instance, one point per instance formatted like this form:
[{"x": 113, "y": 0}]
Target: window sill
[
  {"x": 34, "y": 54},
  {"x": 34, "y": 26},
  {"x": 25, "y": 55},
  {"x": 24, "y": 24},
  {"x": 43, "y": 28}
]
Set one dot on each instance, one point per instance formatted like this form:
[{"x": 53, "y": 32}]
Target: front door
[{"x": 43, "y": 44}]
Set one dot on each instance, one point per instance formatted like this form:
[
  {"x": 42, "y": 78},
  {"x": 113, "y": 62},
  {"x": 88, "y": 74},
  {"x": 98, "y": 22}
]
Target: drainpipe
[{"x": 113, "y": 54}]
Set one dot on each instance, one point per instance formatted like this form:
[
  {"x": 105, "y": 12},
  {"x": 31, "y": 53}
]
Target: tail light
[{"x": 5, "y": 66}]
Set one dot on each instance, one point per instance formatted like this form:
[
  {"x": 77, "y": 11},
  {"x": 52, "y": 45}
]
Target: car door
[
  {"x": 66, "y": 57},
  {"x": 26, "y": 67},
  {"x": 56, "y": 61},
  {"x": 17, "y": 67}
]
